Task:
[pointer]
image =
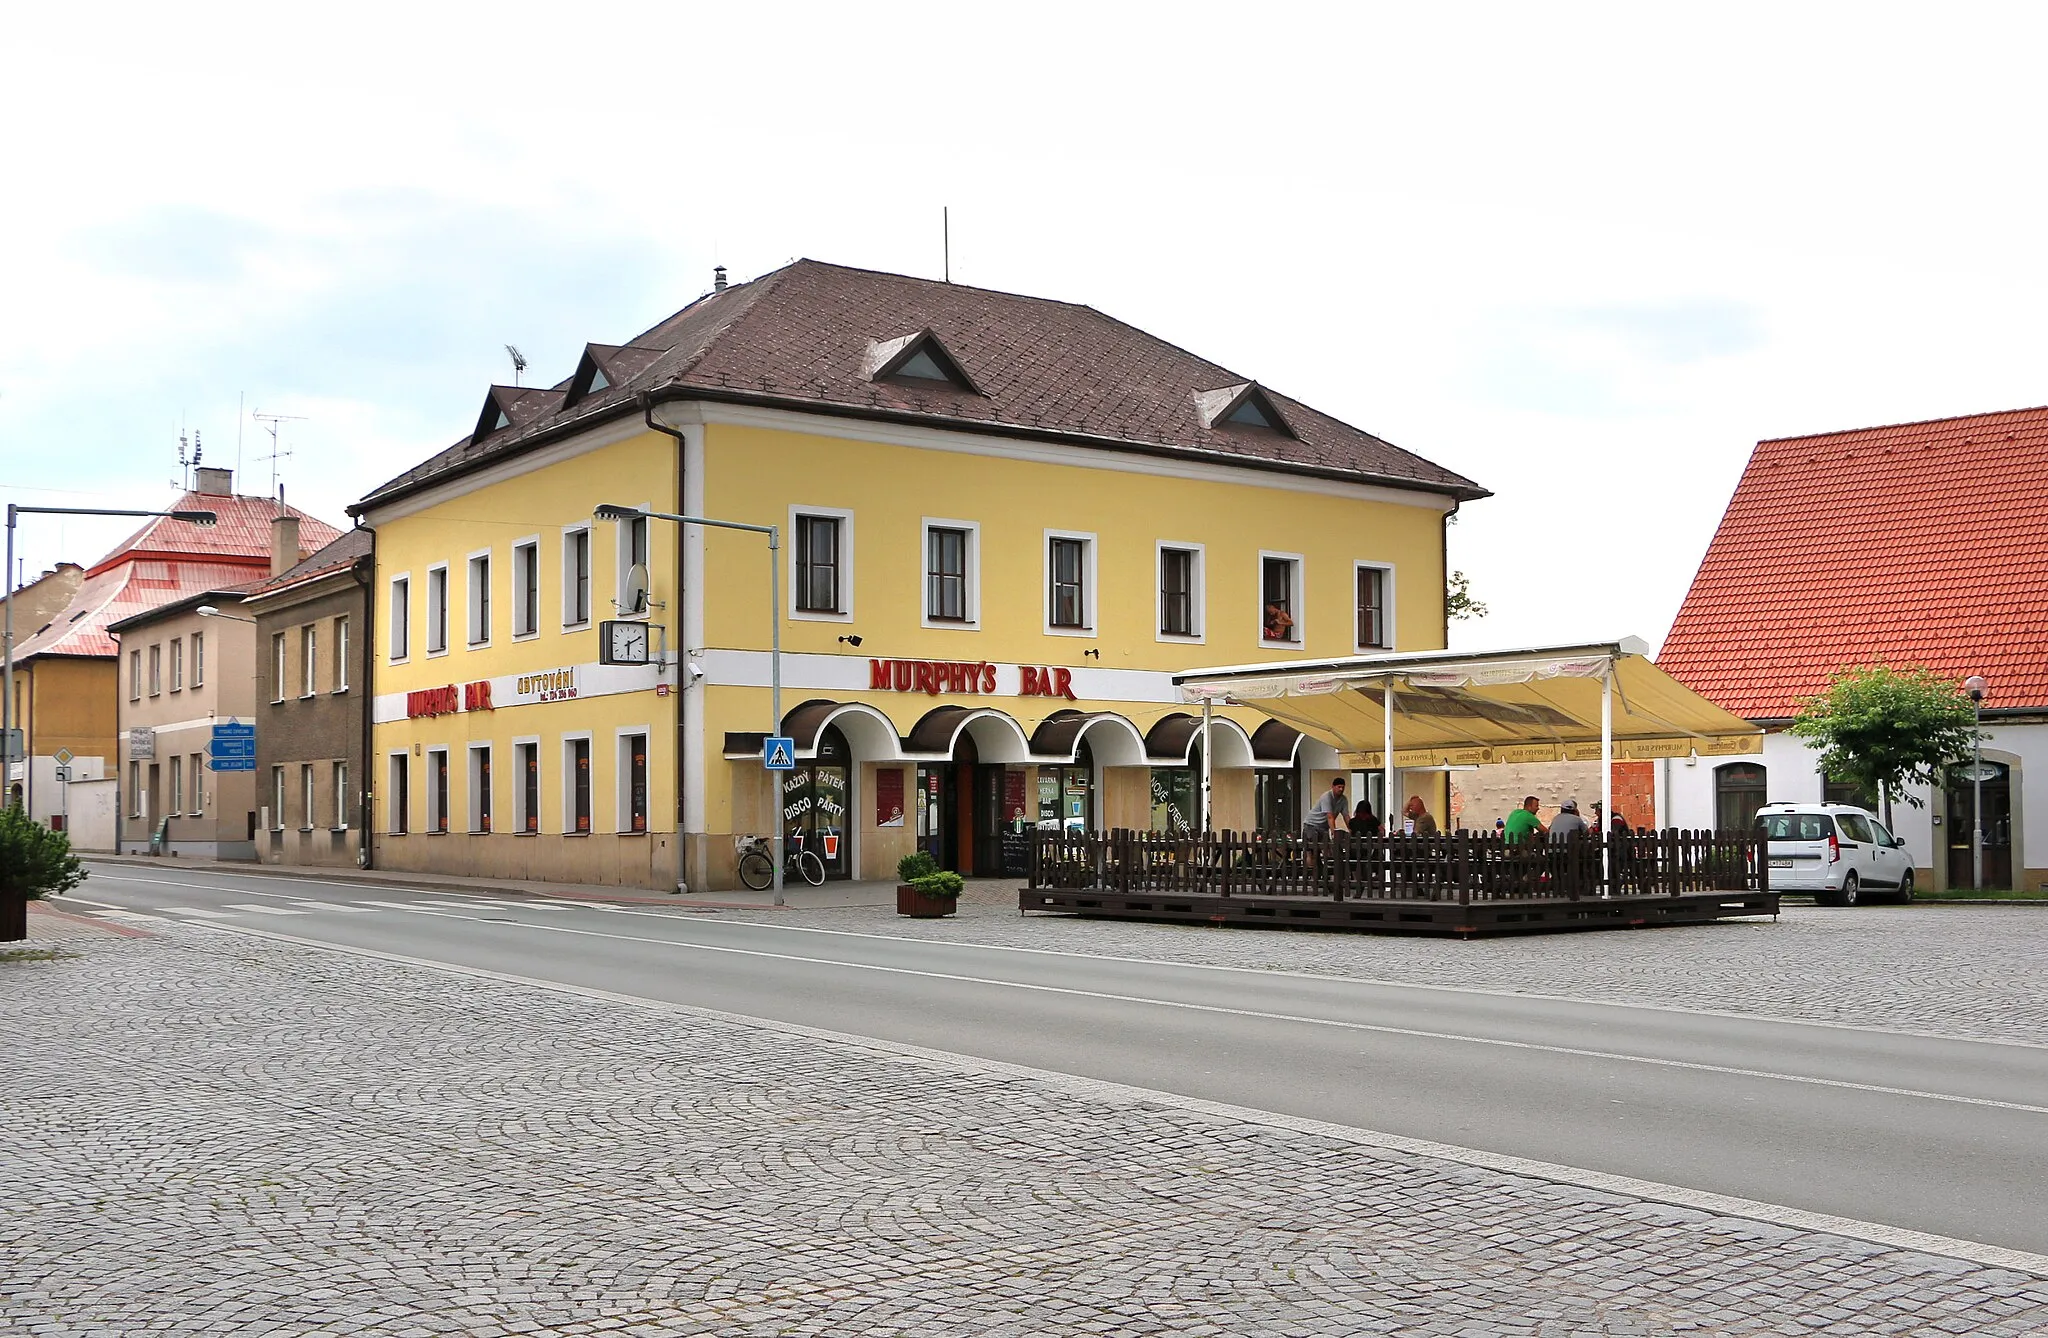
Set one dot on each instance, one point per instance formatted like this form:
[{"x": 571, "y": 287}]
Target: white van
[{"x": 1841, "y": 854}]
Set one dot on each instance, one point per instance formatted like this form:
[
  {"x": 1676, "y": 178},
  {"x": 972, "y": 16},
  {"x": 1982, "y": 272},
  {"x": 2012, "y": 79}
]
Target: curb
[{"x": 414, "y": 883}]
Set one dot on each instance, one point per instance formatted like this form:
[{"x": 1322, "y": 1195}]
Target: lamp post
[
  {"x": 8, "y": 724},
  {"x": 610, "y": 511},
  {"x": 1976, "y": 686}
]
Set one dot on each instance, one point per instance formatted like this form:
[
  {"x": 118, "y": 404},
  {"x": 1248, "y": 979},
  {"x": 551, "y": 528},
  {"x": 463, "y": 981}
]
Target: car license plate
[{"x": 1781, "y": 864}]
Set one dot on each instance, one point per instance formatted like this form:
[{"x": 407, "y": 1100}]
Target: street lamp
[
  {"x": 209, "y": 611},
  {"x": 610, "y": 511},
  {"x": 1977, "y": 686},
  {"x": 7, "y": 721}
]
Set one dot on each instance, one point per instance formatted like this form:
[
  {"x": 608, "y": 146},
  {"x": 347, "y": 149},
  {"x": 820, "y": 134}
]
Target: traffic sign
[
  {"x": 63, "y": 773},
  {"x": 11, "y": 747},
  {"x": 232, "y": 763},
  {"x": 233, "y": 742},
  {"x": 778, "y": 753},
  {"x": 63, "y": 757}
]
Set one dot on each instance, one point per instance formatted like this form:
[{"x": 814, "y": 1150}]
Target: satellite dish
[{"x": 633, "y": 599}]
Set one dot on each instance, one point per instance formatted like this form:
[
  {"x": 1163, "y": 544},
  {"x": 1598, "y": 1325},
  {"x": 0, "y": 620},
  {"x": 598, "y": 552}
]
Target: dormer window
[
  {"x": 917, "y": 358},
  {"x": 598, "y": 381},
  {"x": 502, "y": 420},
  {"x": 1240, "y": 406}
]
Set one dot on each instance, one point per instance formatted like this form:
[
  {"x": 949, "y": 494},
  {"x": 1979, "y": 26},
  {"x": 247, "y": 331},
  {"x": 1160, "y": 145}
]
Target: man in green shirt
[{"x": 1523, "y": 822}]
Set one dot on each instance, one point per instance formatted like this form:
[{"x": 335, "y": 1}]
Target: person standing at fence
[
  {"x": 1330, "y": 816},
  {"x": 1415, "y": 818},
  {"x": 1523, "y": 822},
  {"x": 1567, "y": 823}
]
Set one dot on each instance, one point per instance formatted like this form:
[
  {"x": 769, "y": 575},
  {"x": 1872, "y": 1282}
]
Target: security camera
[{"x": 696, "y": 670}]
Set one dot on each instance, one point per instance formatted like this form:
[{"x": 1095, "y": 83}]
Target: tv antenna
[
  {"x": 186, "y": 464},
  {"x": 271, "y": 422},
  {"x": 518, "y": 361}
]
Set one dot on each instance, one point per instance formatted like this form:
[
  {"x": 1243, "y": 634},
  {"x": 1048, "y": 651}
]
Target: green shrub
[
  {"x": 917, "y": 864},
  {"x": 944, "y": 883},
  {"x": 35, "y": 861}
]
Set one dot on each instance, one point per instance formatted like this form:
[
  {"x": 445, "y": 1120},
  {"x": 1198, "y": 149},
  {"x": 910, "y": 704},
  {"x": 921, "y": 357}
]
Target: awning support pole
[
  {"x": 1389, "y": 816},
  {"x": 1607, "y": 777},
  {"x": 1208, "y": 762}
]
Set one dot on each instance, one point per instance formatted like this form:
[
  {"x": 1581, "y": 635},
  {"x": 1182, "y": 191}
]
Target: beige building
[{"x": 183, "y": 673}]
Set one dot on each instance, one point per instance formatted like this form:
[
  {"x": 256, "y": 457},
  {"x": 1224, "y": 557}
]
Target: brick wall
[{"x": 1478, "y": 797}]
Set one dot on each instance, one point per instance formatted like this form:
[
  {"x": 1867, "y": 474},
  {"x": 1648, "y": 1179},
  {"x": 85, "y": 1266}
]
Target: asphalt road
[{"x": 1947, "y": 1136}]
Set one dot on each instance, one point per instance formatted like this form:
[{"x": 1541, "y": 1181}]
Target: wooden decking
[{"x": 1462, "y": 883}]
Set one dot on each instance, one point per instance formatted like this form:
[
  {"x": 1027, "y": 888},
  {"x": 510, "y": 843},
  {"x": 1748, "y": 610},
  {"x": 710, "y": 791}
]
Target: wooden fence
[{"x": 1462, "y": 867}]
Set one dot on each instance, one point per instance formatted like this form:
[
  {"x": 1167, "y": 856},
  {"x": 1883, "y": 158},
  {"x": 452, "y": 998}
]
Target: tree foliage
[
  {"x": 1883, "y": 729},
  {"x": 34, "y": 861},
  {"x": 1458, "y": 601}
]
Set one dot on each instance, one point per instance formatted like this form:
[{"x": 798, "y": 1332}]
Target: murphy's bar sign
[
  {"x": 553, "y": 686},
  {"x": 934, "y": 677},
  {"x": 433, "y": 701}
]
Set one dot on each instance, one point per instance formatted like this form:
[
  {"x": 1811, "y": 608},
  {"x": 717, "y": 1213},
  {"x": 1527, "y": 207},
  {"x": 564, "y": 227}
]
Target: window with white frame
[
  {"x": 437, "y": 789},
  {"x": 277, "y": 666},
  {"x": 400, "y": 639},
  {"x": 576, "y": 576},
  {"x": 156, "y": 671},
  {"x": 277, "y": 799},
  {"x": 198, "y": 796},
  {"x": 576, "y": 784},
  {"x": 952, "y": 575},
  {"x": 480, "y": 787},
  {"x": 177, "y": 784},
  {"x": 526, "y": 587},
  {"x": 199, "y": 659},
  {"x": 398, "y": 796},
  {"x": 309, "y": 667},
  {"x": 632, "y": 781},
  {"x": 135, "y": 789},
  {"x": 1180, "y": 591},
  {"x": 1280, "y": 599},
  {"x": 480, "y": 599},
  {"x": 177, "y": 664},
  {"x": 437, "y": 610},
  {"x": 341, "y": 796},
  {"x": 1375, "y": 599},
  {"x": 341, "y": 655},
  {"x": 134, "y": 675},
  {"x": 632, "y": 541},
  {"x": 306, "y": 808},
  {"x": 1069, "y": 582},
  {"x": 821, "y": 563},
  {"x": 526, "y": 765}
]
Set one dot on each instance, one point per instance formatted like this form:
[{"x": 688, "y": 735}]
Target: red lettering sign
[
  {"x": 477, "y": 696},
  {"x": 432, "y": 701},
  {"x": 934, "y": 677},
  {"x": 1033, "y": 682}
]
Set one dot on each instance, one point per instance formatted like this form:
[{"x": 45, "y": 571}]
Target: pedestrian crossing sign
[{"x": 779, "y": 754}]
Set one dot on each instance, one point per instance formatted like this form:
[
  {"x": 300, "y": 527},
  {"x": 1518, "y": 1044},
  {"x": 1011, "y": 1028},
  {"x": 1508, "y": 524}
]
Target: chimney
[
  {"x": 718, "y": 278},
  {"x": 214, "y": 482},
  {"x": 284, "y": 544}
]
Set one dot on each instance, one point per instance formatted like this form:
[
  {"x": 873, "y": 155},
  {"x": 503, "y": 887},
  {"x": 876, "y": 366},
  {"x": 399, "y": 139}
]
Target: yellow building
[{"x": 1004, "y": 522}]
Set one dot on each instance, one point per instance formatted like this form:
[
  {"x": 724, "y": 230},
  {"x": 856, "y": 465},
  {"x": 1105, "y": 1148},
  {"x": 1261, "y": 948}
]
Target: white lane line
[
  {"x": 1376, "y": 1028},
  {"x": 1976, "y": 1252},
  {"x": 262, "y": 910},
  {"x": 198, "y": 912},
  {"x": 336, "y": 906}
]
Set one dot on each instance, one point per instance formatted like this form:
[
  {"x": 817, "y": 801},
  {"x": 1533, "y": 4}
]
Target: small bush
[
  {"x": 917, "y": 864},
  {"x": 35, "y": 861},
  {"x": 944, "y": 883}
]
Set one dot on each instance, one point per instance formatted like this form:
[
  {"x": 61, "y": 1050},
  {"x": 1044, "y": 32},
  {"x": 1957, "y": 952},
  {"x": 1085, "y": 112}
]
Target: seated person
[
  {"x": 1523, "y": 822},
  {"x": 1568, "y": 822},
  {"x": 1279, "y": 626}
]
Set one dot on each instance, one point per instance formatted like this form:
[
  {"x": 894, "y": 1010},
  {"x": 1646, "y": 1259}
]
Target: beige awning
[{"x": 1541, "y": 704}]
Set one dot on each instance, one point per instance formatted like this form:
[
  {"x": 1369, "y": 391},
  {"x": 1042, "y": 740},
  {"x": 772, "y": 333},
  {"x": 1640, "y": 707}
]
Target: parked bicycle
[{"x": 757, "y": 865}]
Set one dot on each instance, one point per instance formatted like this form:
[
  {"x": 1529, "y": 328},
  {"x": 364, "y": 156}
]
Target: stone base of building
[
  {"x": 320, "y": 848},
  {"x": 605, "y": 858},
  {"x": 214, "y": 850}
]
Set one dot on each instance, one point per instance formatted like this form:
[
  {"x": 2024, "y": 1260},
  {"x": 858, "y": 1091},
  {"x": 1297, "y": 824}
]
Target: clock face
[{"x": 629, "y": 643}]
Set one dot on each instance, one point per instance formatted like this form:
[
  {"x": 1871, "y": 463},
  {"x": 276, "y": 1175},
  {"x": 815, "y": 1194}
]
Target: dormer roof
[
  {"x": 917, "y": 357},
  {"x": 1240, "y": 406}
]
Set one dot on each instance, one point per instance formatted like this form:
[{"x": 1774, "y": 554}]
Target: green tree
[
  {"x": 1882, "y": 728},
  {"x": 1458, "y": 601}
]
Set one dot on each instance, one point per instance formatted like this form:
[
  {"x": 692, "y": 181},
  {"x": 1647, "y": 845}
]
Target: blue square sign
[{"x": 778, "y": 754}]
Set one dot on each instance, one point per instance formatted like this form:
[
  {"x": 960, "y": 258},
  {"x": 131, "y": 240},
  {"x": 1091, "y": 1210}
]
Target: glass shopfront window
[
  {"x": 817, "y": 798},
  {"x": 1276, "y": 801},
  {"x": 1176, "y": 806},
  {"x": 1066, "y": 795}
]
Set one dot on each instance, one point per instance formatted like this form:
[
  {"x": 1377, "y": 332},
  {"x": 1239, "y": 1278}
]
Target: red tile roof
[
  {"x": 800, "y": 338},
  {"x": 1917, "y": 544},
  {"x": 166, "y": 561}
]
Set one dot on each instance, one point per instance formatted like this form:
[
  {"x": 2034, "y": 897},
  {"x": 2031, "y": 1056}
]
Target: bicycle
[{"x": 757, "y": 866}]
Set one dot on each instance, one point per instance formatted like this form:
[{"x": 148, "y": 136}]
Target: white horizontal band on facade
[
  {"x": 569, "y": 682},
  {"x": 849, "y": 673}
]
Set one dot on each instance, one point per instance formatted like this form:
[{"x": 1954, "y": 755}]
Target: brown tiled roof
[
  {"x": 1919, "y": 544},
  {"x": 340, "y": 554},
  {"x": 799, "y": 338}
]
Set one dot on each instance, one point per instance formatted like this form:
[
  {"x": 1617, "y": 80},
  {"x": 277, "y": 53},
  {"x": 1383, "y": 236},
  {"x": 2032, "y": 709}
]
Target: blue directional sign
[
  {"x": 778, "y": 754},
  {"x": 233, "y": 747}
]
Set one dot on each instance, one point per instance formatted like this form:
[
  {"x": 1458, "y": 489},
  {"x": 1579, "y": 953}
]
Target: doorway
[
  {"x": 817, "y": 797},
  {"x": 1963, "y": 780}
]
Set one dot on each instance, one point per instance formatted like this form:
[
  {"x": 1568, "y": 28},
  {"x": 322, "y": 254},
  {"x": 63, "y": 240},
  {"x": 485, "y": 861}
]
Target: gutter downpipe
[
  {"x": 365, "y": 572},
  {"x": 682, "y": 678}
]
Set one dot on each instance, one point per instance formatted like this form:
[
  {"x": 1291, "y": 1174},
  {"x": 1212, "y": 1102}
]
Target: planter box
[{"x": 911, "y": 902}]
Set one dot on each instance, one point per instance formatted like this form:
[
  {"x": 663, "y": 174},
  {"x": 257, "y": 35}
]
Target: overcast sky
[{"x": 1586, "y": 255}]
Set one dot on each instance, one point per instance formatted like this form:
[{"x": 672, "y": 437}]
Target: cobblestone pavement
[
  {"x": 207, "y": 1134},
  {"x": 1972, "y": 971}
]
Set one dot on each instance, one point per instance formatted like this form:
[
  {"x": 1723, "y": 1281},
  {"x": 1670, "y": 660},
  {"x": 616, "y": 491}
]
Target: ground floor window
[
  {"x": 1175, "y": 803},
  {"x": 816, "y": 798},
  {"x": 198, "y": 785},
  {"x": 526, "y": 758},
  {"x": 177, "y": 781},
  {"x": 341, "y": 796},
  {"x": 480, "y": 788},
  {"x": 1066, "y": 795},
  {"x": 398, "y": 804},
  {"x": 1739, "y": 790},
  {"x": 1276, "y": 801},
  {"x": 306, "y": 796},
  {"x": 277, "y": 799},
  {"x": 1848, "y": 792},
  {"x": 437, "y": 790},
  {"x": 633, "y": 781},
  {"x": 577, "y": 755}
]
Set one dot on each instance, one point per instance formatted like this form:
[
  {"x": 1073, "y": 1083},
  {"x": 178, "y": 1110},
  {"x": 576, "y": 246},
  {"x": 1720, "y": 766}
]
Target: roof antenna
[
  {"x": 946, "y": 239},
  {"x": 271, "y": 422},
  {"x": 518, "y": 362},
  {"x": 184, "y": 465}
]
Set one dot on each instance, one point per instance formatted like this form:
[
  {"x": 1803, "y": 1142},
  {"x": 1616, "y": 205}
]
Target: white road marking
[
  {"x": 263, "y": 910},
  {"x": 336, "y": 906},
  {"x": 1976, "y": 1252},
  {"x": 198, "y": 912}
]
